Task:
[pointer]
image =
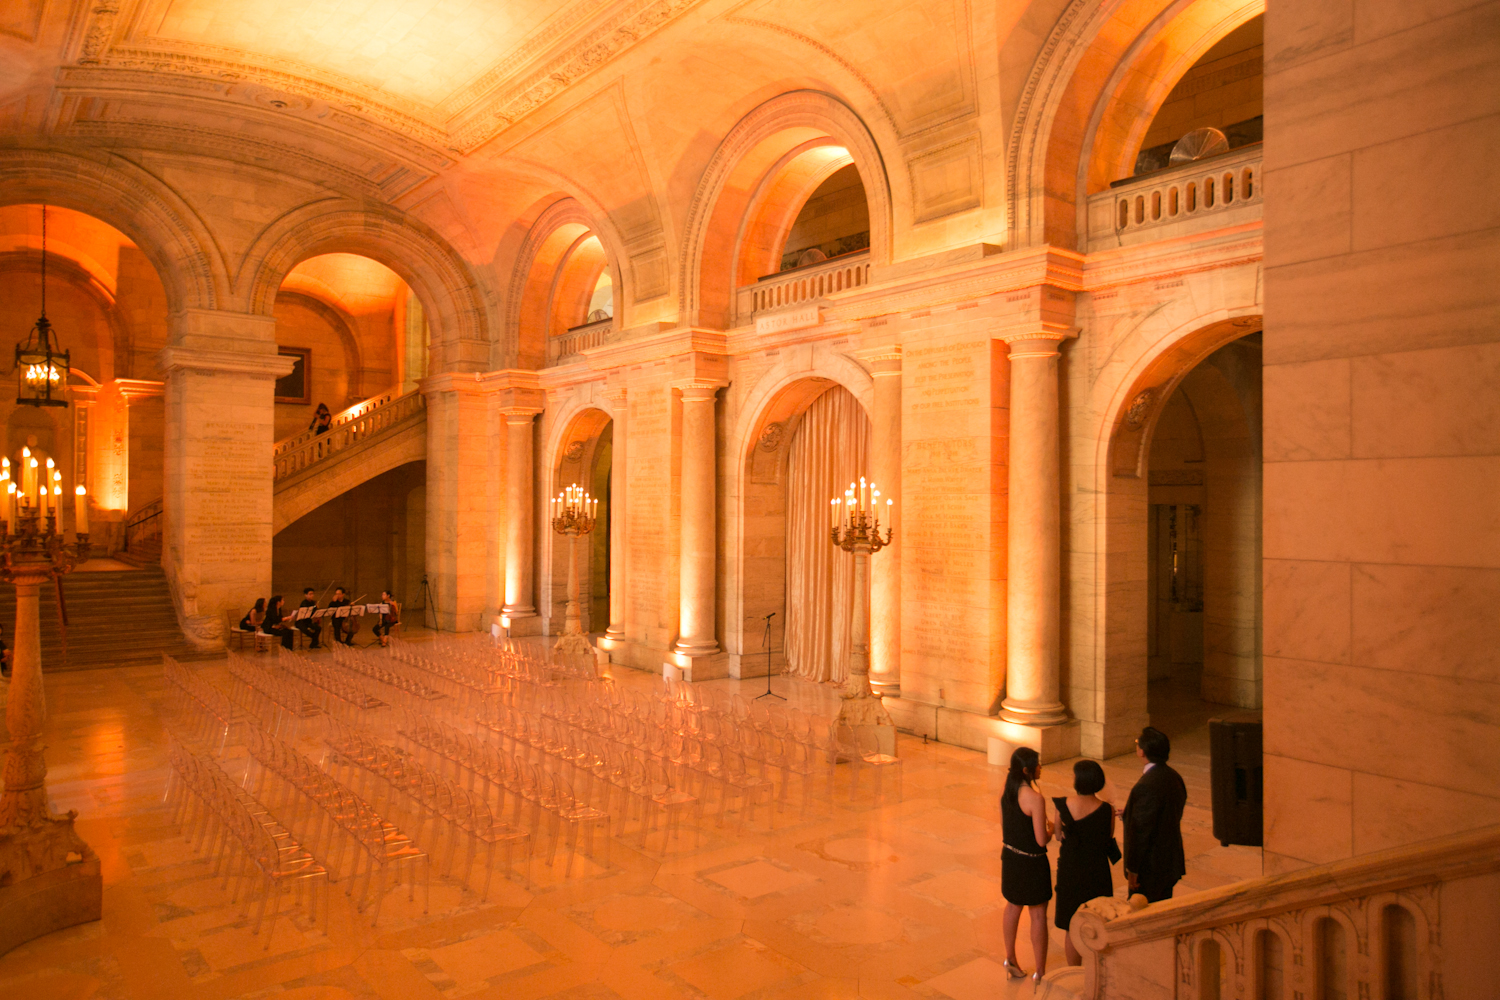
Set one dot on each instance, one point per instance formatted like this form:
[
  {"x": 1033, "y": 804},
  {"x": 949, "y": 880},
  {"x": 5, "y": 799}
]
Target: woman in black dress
[
  {"x": 1025, "y": 873},
  {"x": 1086, "y": 828}
]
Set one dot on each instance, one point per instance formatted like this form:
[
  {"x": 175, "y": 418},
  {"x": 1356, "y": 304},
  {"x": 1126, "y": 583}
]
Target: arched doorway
[
  {"x": 1203, "y": 535},
  {"x": 584, "y": 457},
  {"x": 811, "y": 438}
]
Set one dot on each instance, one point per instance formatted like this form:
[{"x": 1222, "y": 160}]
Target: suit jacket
[{"x": 1153, "y": 826}]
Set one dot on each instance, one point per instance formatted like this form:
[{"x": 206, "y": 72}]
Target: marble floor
[{"x": 901, "y": 900}]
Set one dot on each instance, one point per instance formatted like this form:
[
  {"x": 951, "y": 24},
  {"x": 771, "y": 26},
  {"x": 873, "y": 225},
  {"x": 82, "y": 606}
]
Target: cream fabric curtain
[{"x": 830, "y": 447}]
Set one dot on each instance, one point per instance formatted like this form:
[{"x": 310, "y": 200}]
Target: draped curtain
[{"x": 829, "y": 449}]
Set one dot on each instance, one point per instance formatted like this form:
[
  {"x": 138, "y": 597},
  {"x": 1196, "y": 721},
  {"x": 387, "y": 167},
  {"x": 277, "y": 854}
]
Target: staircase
[
  {"x": 114, "y": 619},
  {"x": 365, "y": 440}
]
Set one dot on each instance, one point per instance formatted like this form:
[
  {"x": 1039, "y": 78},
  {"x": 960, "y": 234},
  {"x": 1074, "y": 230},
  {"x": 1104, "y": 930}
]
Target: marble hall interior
[{"x": 719, "y": 436}]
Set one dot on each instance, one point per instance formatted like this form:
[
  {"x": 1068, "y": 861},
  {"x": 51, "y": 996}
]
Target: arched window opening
[
  {"x": 353, "y": 329},
  {"x": 1210, "y": 970},
  {"x": 1269, "y": 965},
  {"x": 1330, "y": 960},
  {"x": 1222, "y": 90},
  {"x": 602, "y": 302},
  {"x": 835, "y": 220},
  {"x": 1398, "y": 934}
]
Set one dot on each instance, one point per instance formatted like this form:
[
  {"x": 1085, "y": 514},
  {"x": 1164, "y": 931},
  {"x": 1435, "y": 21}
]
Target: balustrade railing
[
  {"x": 1370, "y": 926},
  {"x": 804, "y": 284},
  {"x": 1144, "y": 208},
  {"x": 579, "y": 338},
  {"x": 359, "y": 422}
]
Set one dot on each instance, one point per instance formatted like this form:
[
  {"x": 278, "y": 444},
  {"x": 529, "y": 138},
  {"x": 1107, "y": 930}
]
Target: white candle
[
  {"x": 10, "y": 492},
  {"x": 28, "y": 476},
  {"x": 81, "y": 510}
]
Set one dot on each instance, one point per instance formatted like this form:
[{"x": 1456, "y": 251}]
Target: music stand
[{"x": 769, "y": 693}]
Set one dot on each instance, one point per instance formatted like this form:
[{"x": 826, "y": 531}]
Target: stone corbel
[{"x": 210, "y": 362}]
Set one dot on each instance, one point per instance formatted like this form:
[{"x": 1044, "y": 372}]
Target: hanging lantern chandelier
[{"x": 41, "y": 366}]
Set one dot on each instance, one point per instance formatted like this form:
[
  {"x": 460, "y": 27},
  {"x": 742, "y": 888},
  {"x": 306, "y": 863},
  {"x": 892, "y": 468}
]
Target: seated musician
[
  {"x": 343, "y": 628},
  {"x": 307, "y": 626},
  {"x": 254, "y": 616},
  {"x": 390, "y": 617},
  {"x": 276, "y": 622}
]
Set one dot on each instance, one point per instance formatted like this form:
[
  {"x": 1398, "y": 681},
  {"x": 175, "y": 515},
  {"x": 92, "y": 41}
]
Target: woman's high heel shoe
[
  {"x": 1036, "y": 980},
  {"x": 1014, "y": 970}
]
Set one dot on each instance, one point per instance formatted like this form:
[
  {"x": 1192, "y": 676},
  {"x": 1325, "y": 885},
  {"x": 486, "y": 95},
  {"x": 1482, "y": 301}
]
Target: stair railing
[
  {"x": 144, "y": 525},
  {"x": 359, "y": 422},
  {"x": 1368, "y": 926}
]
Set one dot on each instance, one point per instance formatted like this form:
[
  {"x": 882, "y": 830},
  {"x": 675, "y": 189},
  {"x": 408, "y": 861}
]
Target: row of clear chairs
[
  {"x": 343, "y": 694},
  {"x": 435, "y": 807},
  {"x": 281, "y": 703},
  {"x": 205, "y": 715},
  {"x": 379, "y": 668},
  {"x": 333, "y": 822},
  {"x": 243, "y": 836},
  {"x": 534, "y": 794}
]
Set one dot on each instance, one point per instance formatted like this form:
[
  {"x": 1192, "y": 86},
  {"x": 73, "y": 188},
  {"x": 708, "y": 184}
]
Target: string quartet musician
[
  {"x": 343, "y": 628},
  {"x": 389, "y": 618},
  {"x": 276, "y": 622},
  {"x": 307, "y": 626}
]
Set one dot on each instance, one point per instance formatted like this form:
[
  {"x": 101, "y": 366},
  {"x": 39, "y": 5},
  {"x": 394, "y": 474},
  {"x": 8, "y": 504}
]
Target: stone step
[{"x": 114, "y": 618}]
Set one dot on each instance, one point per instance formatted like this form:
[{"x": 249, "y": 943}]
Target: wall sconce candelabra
[
  {"x": 856, "y": 529},
  {"x": 573, "y": 514}
]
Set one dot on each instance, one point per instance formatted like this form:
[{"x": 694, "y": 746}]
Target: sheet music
[
  {"x": 341, "y": 613},
  {"x": 357, "y": 609},
  {"x": 302, "y": 613}
]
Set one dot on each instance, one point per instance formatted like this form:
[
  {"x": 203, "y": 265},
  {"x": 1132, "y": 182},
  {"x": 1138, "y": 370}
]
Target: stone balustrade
[
  {"x": 358, "y": 423},
  {"x": 1220, "y": 191},
  {"x": 804, "y": 284},
  {"x": 578, "y": 339},
  {"x": 1388, "y": 924}
]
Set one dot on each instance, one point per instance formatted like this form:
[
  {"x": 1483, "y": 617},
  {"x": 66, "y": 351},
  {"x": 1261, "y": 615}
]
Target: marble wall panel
[
  {"x": 1385, "y": 511},
  {"x": 651, "y": 511},
  {"x": 1390, "y": 396},
  {"x": 1307, "y": 610},
  {"x": 1439, "y": 730},
  {"x": 1435, "y": 74},
  {"x": 1427, "y": 620},
  {"x": 1457, "y": 160},
  {"x": 1390, "y": 812},
  {"x": 1307, "y": 411},
  {"x": 1309, "y": 809},
  {"x": 1312, "y": 208}
]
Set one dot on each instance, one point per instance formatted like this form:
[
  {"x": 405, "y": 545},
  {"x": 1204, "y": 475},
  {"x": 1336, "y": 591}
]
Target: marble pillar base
[
  {"x": 973, "y": 731},
  {"x": 696, "y": 668},
  {"x": 884, "y": 737},
  {"x": 56, "y": 899},
  {"x": 575, "y": 644},
  {"x": 529, "y": 626},
  {"x": 743, "y": 665}
]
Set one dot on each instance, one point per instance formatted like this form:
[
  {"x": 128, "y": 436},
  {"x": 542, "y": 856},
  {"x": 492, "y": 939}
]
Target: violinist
[{"x": 343, "y": 628}]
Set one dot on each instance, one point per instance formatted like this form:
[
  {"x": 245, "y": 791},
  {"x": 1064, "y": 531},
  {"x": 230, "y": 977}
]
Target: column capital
[
  {"x": 1037, "y": 342},
  {"x": 698, "y": 390},
  {"x": 263, "y": 365},
  {"x": 883, "y": 360},
  {"x": 219, "y": 330}
]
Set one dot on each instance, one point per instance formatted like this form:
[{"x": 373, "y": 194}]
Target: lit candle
[
  {"x": 80, "y": 510},
  {"x": 42, "y": 502},
  {"x": 10, "y": 491},
  {"x": 28, "y": 475}
]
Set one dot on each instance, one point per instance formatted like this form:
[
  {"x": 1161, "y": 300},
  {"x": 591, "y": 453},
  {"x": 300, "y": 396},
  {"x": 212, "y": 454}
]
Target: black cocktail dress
[
  {"x": 1025, "y": 873},
  {"x": 1083, "y": 861}
]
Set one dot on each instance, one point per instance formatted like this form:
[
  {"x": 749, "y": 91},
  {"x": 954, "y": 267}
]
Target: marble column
[
  {"x": 221, "y": 372},
  {"x": 1034, "y": 585},
  {"x": 520, "y": 521},
  {"x": 885, "y": 573},
  {"x": 462, "y": 497},
  {"x": 618, "y": 577},
  {"x": 695, "y": 630}
]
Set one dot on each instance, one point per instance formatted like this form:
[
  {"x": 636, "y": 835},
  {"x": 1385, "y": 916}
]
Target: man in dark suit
[
  {"x": 307, "y": 626},
  {"x": 1153, "y": 821}
]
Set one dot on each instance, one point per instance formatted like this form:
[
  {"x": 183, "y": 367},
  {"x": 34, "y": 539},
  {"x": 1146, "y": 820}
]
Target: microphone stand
[{"x": 769, "y": 693}]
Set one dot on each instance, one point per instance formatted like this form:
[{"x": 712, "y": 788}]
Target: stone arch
[
  {"x": 1107, "y": 534},
  {"x": 547, "y": 246},
  {"x": 1254, "y": 973},
  {"x": 115, "y": 191},
  {"x": 754, "y": 481},
  {"x": 457, "y": 310},
  {"x": 738, "y": 172},
  {"x": 1093, "y": 92}
]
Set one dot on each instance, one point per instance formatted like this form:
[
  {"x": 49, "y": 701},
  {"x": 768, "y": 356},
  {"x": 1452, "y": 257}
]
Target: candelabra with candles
[
  {"x": 856, "y": 529},
  {"x": 573, "y": 514},
  {"x": 51, "y": 879}
]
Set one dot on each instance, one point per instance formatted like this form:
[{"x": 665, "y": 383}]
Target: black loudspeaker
[{"x": 1236, "y": 778}]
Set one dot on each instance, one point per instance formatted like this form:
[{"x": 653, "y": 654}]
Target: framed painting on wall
[{"x": 296, "y": 386}]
